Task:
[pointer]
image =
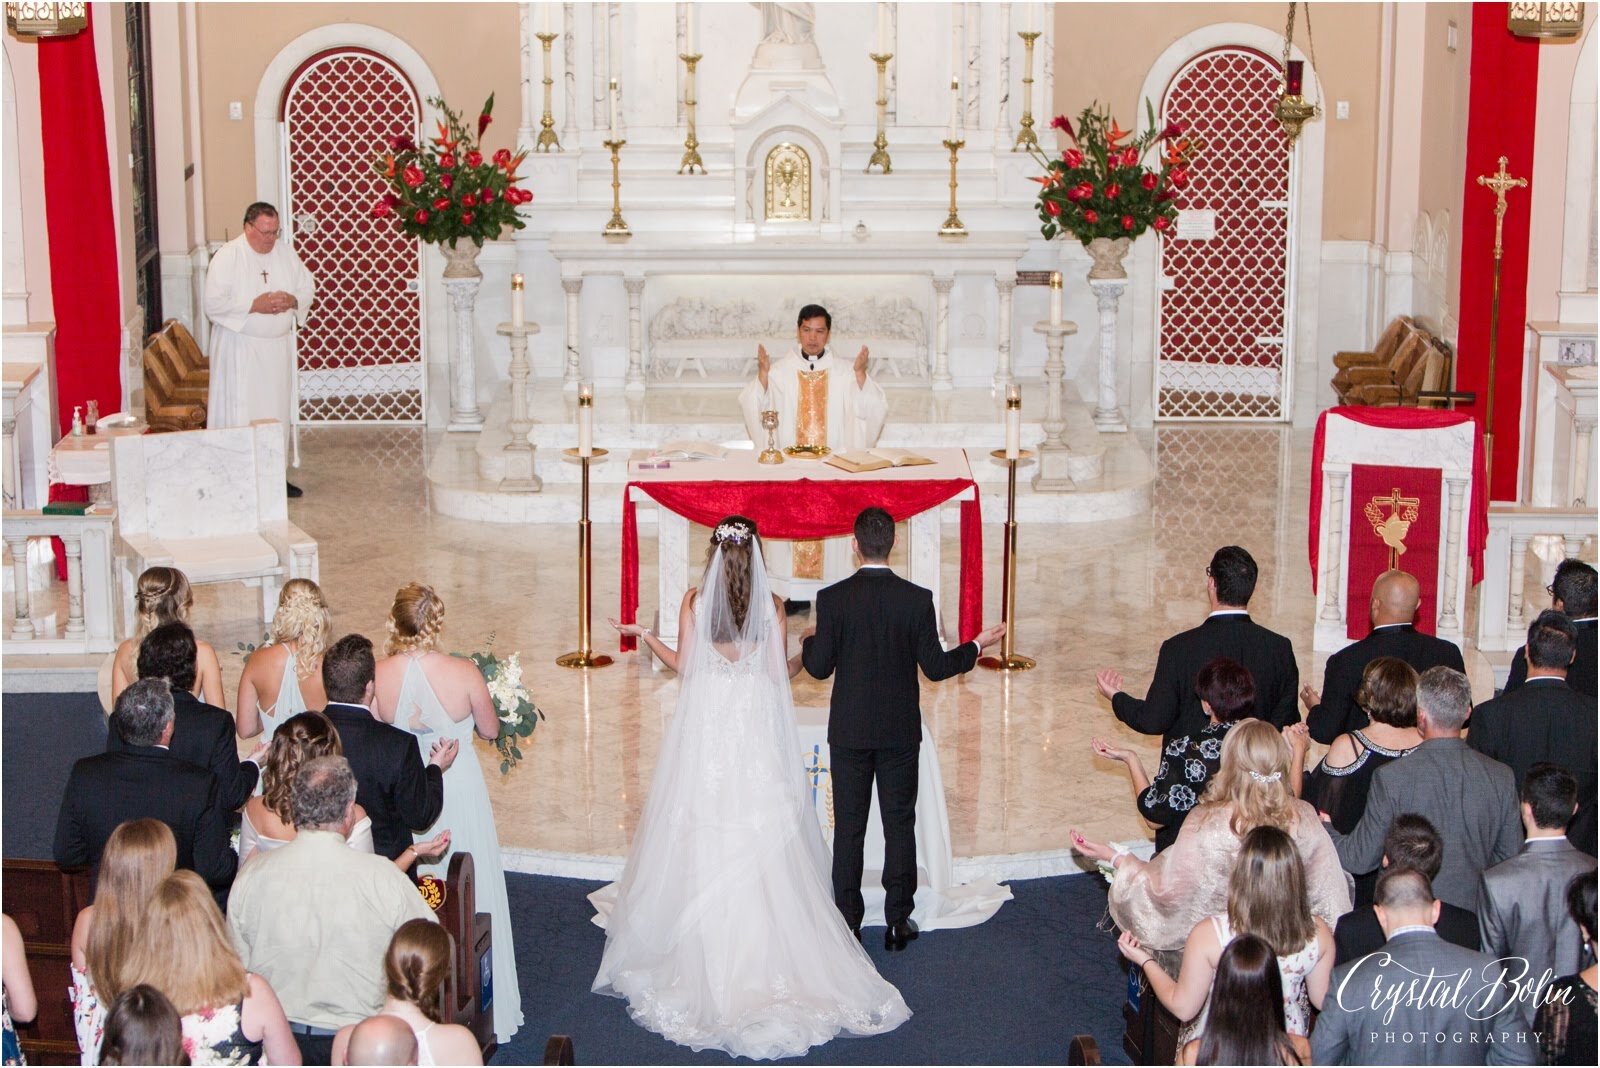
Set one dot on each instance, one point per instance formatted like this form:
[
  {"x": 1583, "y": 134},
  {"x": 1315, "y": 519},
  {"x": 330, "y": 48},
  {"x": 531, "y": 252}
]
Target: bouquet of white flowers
[{"x": 512, "y": 703}]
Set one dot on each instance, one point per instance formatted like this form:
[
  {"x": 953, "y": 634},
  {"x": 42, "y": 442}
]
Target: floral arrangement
[
  {"x": 512, "y": 702},
  {"x": 446, "y": 189},
  {"x": 1102, "y": 187}
]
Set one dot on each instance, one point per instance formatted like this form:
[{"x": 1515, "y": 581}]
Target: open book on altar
[
  {"x": 689, "y": 450},
  {"x": 875, "y": 459}
]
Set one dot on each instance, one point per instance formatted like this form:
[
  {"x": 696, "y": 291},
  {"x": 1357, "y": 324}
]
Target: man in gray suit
[
  {"x": 1419, "y": 999},
  {"x": 1522, "y": 908},
  {"x": 1471, "y": 799}
]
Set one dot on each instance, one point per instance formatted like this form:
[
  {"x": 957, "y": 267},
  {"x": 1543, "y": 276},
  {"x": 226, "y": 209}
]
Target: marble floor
[{"x": 1014, "y": 749}]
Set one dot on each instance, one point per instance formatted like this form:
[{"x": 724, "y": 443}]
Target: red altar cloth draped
[
  {"x": 1404, "y": 419},
  {"x": 1369, "y": 554},
  {"x": 806, "y": 509}
]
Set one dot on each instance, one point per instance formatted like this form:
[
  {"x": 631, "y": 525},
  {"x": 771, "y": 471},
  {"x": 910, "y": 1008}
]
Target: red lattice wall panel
[
  {"x": 1222, "y": 346},
  {"x": 361, "y": 356}
]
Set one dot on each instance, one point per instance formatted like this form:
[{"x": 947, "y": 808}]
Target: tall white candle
[
  {"x": 614, "y": 110},
  {"x": 1013, "y": 423},
  {"x": 516, "y": 302},
  {"x": 883, "y": 29},
  {"x": 544, "y": 18},
  {"x": 955, "y": 107},
  {"x": 1033, "y": 18},
  {"x": 688, "y": 36},
  {"x": 1055, "y": 298},
  {"x": 586, "y": 420}
]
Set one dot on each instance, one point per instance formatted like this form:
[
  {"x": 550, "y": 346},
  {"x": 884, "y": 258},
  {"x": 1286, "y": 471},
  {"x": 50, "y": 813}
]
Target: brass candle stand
[
  {"x": 617, "y": 227},
  {"x": 691, "y": 146},
  {"x": 953, "y": 227},
  {"x": 880, "y": 144},
  {"x": 547, "y": 123},
  {"x": 1009, "y": 659},
  {"x": 584, "y": 656},
  {"x": 1026, "y": 138}
]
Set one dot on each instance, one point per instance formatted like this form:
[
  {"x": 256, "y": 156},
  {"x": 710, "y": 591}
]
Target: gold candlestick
[
  {"x": 1499, "y": 183},
  {"x": 880, "y": 144},
  {"x": 1026, "y": 138},
  {"x": 617, "y": 227},
  {"x": 691, "y": 147},
  {"x": 953, "y": 226},
  {"x": 584, "y": 656},
  {"x": 547, "y": 124},
  {"x": 1009, "y": 659}
]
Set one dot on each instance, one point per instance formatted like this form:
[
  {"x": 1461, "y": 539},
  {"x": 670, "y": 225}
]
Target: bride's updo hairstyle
[
  {"x": 162, "y": 596},
  {"x": 737, "y": 537},
  {"x": 1254, "y": 778},
  {"x": 303, "y": 617},
  {"x": 301, "y": 738},
  {"x": 415, "y": 620}
]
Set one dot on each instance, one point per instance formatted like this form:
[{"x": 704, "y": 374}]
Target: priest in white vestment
[
  {"x": 257, "y": 293},
  {"x": 822, "y": 401}
]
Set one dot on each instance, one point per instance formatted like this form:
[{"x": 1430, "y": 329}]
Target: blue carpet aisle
[{"x": 1011, "y": 991}]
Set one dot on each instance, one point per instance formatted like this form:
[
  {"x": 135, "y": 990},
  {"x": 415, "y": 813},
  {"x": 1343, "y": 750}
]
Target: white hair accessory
[
  {"x": 734, "y": 532},
  {"x": 1264, "y": 779}
]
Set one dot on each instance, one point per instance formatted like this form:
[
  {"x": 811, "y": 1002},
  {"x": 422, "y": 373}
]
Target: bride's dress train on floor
[{"x": 722, "y": 933}]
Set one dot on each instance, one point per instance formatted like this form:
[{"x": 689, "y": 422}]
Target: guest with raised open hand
[
  {"x": 163, "y": 595},
  {"x": 284, "y": 677}
]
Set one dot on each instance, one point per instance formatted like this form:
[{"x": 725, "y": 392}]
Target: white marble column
[
  {"x": 1519, "y": 577},
  {"x": 12, "y": 466},
  {"x": 569, "y": 81},
  {"x": 635, "y": 380},
  {"x": 21, "y": 623},
  {"x": 1107, "y": 414},
  {"x": 1456, "y": 488},
  {"x": 73, "y": 544},
  {"x": 1053, "y": 475},
  {"x": 518, "y": 474},
  {"x": 464, "y": 413},
  {"x": 1333, "y": 483},
  {"x": 1005, "y": 287},
  {"x": 571, "y": 370},
  {"x": 528, "y": 55},
  {"x": 941, "y": 349},
  {"x": 1584, "y": 432}
]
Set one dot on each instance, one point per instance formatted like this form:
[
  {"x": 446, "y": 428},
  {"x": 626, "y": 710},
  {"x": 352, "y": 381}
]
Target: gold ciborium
[{"x": 770, "y": 454}]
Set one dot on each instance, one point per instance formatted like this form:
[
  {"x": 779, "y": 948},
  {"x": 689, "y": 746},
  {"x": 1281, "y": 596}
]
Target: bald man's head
[
  {"x": 381, "y": 1040},
  {"x": 1395, "y": 596}
]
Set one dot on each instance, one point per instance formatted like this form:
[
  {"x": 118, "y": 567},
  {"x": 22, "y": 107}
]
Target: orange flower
[
  {"x": 388, "y": 166},
  {"x": 1049, "y": 181},
  {"x": 1176, "y": 153},
  {"x": 1117, "y": 133}
]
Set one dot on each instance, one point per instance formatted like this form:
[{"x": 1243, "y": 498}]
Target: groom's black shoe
[{"x": 898, "y": 934}]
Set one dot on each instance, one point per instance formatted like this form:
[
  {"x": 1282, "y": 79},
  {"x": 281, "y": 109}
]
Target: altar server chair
[{"x": 211, "y": 503}]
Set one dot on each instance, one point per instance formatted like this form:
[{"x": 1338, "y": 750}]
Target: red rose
[
  {"x": 1060, "y": 123},
  {"x": 447, "y": 161},
  {"x": 441, "y": 203},
  {"x": 1113, "y": 191},
  {"x": 391, "y": 200},
  {"x": 380, "y": 210},
  {"x": 488, "y": 195},
  {"x": 1072, "y": 158},
  {"x": 466, "y": 218},
  {"x": 1150, "y": 180},
  {"x": 502, "y": 158},
  {"x": 1178, "y": 176},
  {"x": 1091, "y": 216},
  {"x": 1053, "y": 207},
  {"x": 1162, "y": 222},
  {"x": 474, "y": 158},
  {"x": 1127, "y": 222},
  {"x": 412, "y": 176},
  {"x": 421, "y": 216},
  {"x": 469, "y": 201},
  {"x": 447, "y": 180}
]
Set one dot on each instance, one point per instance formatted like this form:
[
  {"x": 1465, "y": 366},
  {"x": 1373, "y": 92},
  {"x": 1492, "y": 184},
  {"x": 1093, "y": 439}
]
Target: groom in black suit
[{"x": 875, "y": 628}]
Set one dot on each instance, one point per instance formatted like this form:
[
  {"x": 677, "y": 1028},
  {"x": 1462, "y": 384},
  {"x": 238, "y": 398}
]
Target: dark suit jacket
[
  {"x": 1522, "y": 908},
  {"x": 1338, "y": 713},
  {"x": 392, "y": 784},
  {"x": 204, "y": 734},
  {"x": 1170, "y": 708},
  {"x": 876, "y": 628},
  {"x": 1580, "y": 676},
  {"x": 139, "y": 782},
  {"x": 1358, "y": 932},
  {"x": 1544, "y": 719}
]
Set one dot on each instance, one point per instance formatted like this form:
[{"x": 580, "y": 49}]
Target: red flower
[
  {"x": 1178, "y": 177},
  {"x": 1085, "y": 190},
  {"x": 1072, "y": 158},
  {"x": 1130, "y": 157},
  {"x": 421, "y": 216},
  {"x": 1090, "y": 215},
  {"x": 391, "y": 200},
  {"x": 1150, "y": 180},
  {"x": 381, "y": 210},
  {"x": 447, "y": 180},
  {"x": 488, "y": 195},
  {"x": 483, "y": 117},
  {"x": 402, "y": 143},
  {"x": 466, "y": 218},
  {"x": 1162, "y": 222},
  {"x": 1127, "y": 222},
  {"x": 502, "y": 158},
  {"x": 474, "y": 158},
  {"x": 469, "y": 201},
  {"x": 1053, "y": 207},
  {"x": 447, "y": 162},
  {"x": 441, "y": 203},
  {"x": 1173, "y": 129},
  {"x": 1113, "y": 191},
  {"x": 412, "y": 176},
  {"x": 1060, "y": 123},
  {"x": 1164, "y": 195}
]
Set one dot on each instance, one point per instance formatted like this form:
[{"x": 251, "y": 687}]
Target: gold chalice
[{"x": 770, "y": 455}]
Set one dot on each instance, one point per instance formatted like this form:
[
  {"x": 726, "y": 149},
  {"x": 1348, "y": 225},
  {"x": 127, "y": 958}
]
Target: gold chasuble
[{"x": 810, "y": 435}]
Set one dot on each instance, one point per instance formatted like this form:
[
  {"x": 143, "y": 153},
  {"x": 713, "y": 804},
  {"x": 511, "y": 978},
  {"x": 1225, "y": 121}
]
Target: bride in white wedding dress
[{"x": 722, "y": 933}]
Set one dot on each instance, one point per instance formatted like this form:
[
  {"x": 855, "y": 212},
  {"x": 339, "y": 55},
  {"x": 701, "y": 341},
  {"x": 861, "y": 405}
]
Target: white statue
[{"x": 787, "y": 23}]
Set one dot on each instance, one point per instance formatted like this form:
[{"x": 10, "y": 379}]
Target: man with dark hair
[
  {"x": 1572, "y": 592},
  {"x": 144, "y": 778},
  {"x": 203, "y": 734},
  {"x": 876, "y": 629},
  {"x": 1393, "y": 611},
  {"x": 392, "y": 785},
  {"x": 1522, "y": 907},
  {"x": 1377, "y": 1011},
  {"x": 257, "y": 293},
  {"x": 1545, "y": 719},
  {"x": 1171, "y": 707},
  {"x": 1411, "y": 843},
  {"x": 314, "y": 917},
  {"x": 1470, "y": 799}
]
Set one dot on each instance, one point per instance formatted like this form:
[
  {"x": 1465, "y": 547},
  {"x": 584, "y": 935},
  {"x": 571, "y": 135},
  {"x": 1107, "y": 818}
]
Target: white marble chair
[{"x": 211, "y": 503}]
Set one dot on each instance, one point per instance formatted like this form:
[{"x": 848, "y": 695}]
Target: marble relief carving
[{"x": 1576, "y": 351}]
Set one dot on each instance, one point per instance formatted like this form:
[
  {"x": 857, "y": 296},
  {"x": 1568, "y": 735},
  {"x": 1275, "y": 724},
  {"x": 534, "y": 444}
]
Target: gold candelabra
[
  {"x": 691, "y": 146},
  {"x": 1009, "y": 659},
  {"x": 1499, "y": 183},
  {"x": 880, "y": 144},
  {"x": 953, "y": 226},
  {"x": 547, "y": 123},
  {"x": 617, "y": 227},
  {"x": 1026, "y": 138},
  {"x": 584, "y": 656}
]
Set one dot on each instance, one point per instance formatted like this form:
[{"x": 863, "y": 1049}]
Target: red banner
[{"x": 1394, "y": 522}]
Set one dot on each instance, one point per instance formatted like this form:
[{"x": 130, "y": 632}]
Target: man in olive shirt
[{"x": 314, "y": 917}]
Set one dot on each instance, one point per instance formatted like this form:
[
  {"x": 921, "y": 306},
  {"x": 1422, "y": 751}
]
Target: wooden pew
[
  {"x": 1151, "y": 1036},
  {"x": 1083, "y": 1050},
  {"x": 559, "y": 1051},
  {"x": 45, "y": 901},
  {"x": 469, "y": 988}
]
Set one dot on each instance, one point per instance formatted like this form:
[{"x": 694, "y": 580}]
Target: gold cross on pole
[{"x": 1500, "y": 182}]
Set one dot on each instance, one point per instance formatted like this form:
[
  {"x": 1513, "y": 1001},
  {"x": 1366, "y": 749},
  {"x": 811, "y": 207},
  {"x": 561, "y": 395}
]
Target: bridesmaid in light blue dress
[
  {"x": 439, "y": 697},
  {"x": 284, "y": 677}
]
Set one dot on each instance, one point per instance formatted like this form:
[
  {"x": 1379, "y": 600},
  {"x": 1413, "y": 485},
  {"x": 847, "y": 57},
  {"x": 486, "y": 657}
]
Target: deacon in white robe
[{"x": 257, "y": 293}]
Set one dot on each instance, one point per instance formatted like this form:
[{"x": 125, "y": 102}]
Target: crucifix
[
  {"x": 1499, "y": 183},
  {"x": 263, "y": 277}
]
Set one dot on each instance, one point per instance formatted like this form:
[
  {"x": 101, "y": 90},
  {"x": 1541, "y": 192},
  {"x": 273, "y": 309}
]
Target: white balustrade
[
  {"x": 91, "y": 583},
  {"x": 1504, "y": 607}
]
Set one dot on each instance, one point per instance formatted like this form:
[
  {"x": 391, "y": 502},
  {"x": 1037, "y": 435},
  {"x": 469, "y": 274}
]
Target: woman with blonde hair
[
  {"x": 138, "y": 856},
  {"x": 415, "y": 968},
  {"x": 1159, "y": 901},
  {"x": 163, "y": 595},
  {"x": 284, "y": 677},
  {"x": 439, "y": 697}
]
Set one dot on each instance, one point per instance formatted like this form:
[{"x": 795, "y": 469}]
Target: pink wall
[{"x": 1547, "y": 186}]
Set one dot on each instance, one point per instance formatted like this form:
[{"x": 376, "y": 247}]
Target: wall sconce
[
  {"x": 53, "y": 20},
  {"x": 1545, "y": 20}
]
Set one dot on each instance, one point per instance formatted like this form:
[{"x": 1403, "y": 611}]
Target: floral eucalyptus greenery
[{"x": 513, "y": 704}]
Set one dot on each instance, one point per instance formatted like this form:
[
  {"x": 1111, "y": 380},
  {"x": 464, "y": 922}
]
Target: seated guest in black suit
[
  {"x": 202, "y": 734},
  {"x": 398, "y": 793},
  {"x": 1339, "y": 785},
  {"x": 145, "y": 779},
  {"x": 1395, "y": 597},
  {"x": 1545, "y": 719},
  {"x": 1522, "y": 908},
  {"x": 1566, "y": 1022},
  {"x": 1228, "y": 695},
  {"x": 1411, "y": 843},
  {"x": 1572, "y": 592},
  {"x": 1170, "y": 707}
]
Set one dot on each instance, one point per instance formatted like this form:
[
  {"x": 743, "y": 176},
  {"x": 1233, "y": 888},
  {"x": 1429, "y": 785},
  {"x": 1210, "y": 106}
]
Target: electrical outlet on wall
[
  {"x": 1341, "y": 110},
  {"x": 235, "y": 110},
  {"x": 1452, "y": 38}
]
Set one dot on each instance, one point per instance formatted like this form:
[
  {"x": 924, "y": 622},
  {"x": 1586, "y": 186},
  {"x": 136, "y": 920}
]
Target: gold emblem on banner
[{"x": 1392, "y": 528}]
